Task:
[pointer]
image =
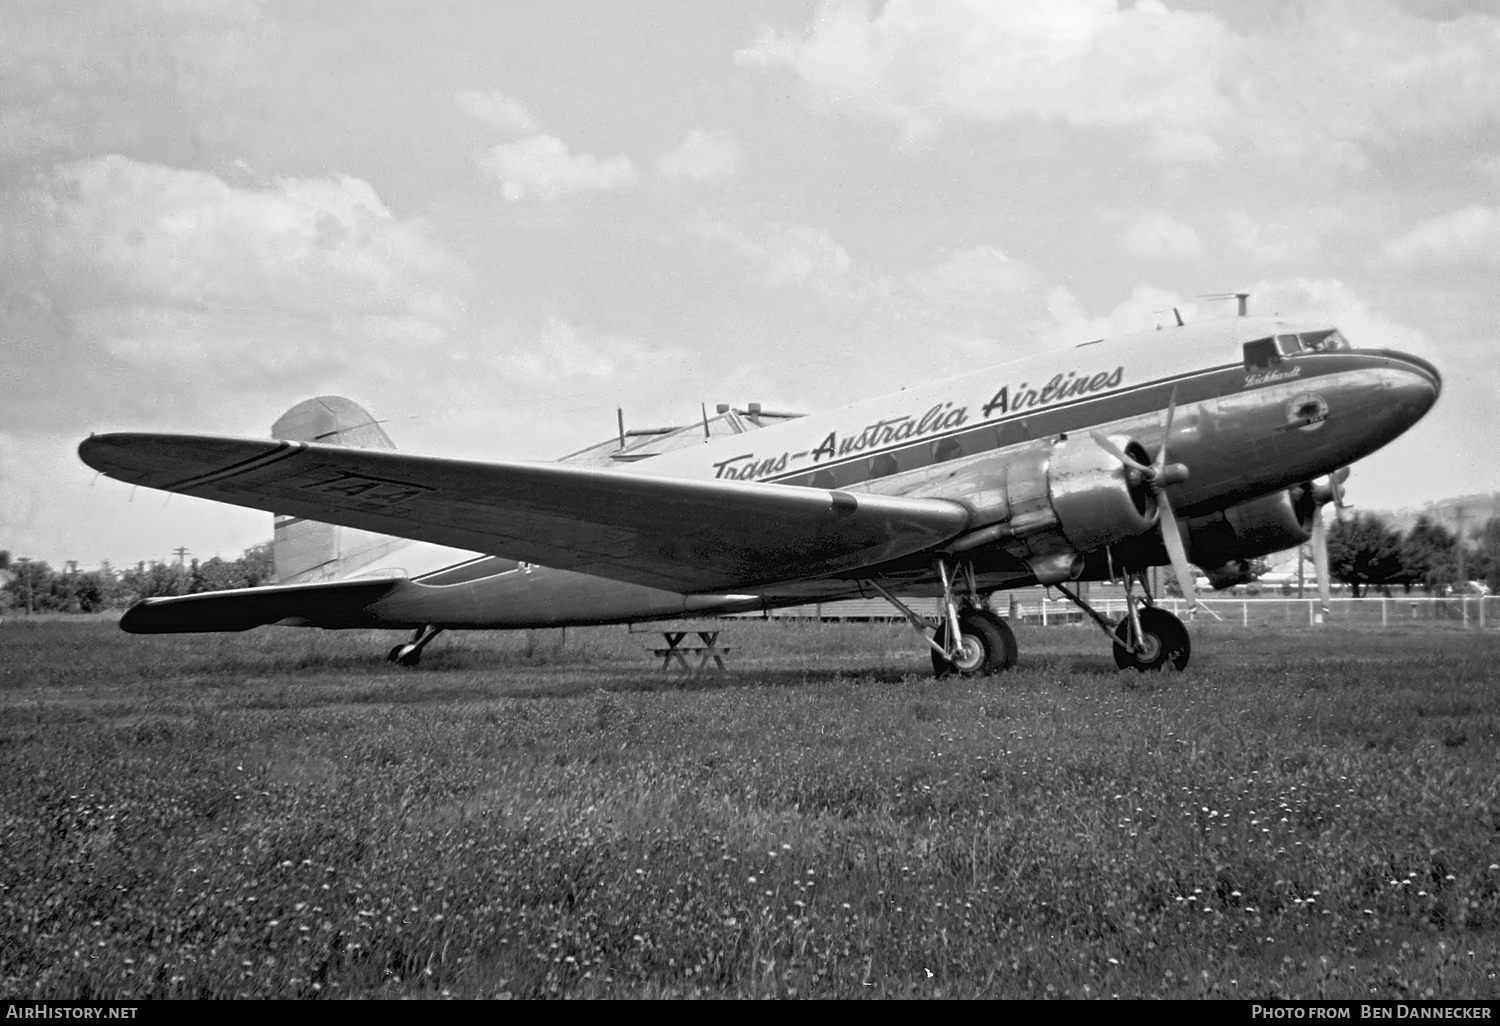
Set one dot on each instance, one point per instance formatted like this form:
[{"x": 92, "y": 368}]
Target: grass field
[{"x": 1303, "y": 813}]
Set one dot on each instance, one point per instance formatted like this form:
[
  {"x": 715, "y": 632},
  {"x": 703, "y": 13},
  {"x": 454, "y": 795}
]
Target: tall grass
[{"x": 281, "y": 813}]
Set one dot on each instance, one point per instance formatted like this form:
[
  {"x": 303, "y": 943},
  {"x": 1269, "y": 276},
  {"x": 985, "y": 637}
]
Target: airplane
[{"x": 1198, "y": 444}]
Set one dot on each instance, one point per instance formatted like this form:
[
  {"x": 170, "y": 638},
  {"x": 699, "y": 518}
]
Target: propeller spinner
[{"x": 1158, "y": 475}]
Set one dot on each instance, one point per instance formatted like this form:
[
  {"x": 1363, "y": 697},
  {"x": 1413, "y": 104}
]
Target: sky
[{"x": 492, "y": 224}]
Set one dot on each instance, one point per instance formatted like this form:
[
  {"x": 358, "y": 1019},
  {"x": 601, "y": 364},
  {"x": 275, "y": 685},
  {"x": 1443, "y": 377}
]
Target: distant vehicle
[{"x": 1199, "y": 443}]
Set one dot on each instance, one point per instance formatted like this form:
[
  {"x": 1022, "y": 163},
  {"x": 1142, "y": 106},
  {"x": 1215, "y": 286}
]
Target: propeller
[
  {"x": 1159, "y": 474},
  {"x": 1332, "y": 491}
]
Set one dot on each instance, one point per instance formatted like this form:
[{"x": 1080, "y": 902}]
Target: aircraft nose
[
  {"x": 1425, "y": 374},
  {"x": 1421, "y": 384},
  {"x": 1414, "y": 389}
]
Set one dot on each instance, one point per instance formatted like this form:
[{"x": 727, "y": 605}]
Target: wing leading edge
[{"x": 678, "y": 534}]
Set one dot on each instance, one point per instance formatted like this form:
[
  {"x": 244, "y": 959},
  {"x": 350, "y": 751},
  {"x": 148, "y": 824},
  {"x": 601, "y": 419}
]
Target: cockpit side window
[
  {"x": 1261, "y": 354},
  {"x": 1288, "y": 345}
]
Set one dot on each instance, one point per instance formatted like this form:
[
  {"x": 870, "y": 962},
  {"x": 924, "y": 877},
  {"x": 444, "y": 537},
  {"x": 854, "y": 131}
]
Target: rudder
[{"x": 307, "y": 550}]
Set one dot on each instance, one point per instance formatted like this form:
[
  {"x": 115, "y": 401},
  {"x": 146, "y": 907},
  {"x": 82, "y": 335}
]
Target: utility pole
[
  {"x": 180, "y": 553},
  {"x": 24, "y": 562},
  {"x": 1461, "y": 514}
]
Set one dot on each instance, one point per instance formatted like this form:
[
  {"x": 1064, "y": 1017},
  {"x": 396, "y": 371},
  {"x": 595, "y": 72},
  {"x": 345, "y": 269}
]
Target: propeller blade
[
  {"x": 1166, "y": 433},
  {"x": 1336, "y": 486},
  {"x": 1107, "y": 444},
  {"x": 1171, "y": 535},
  {"x": 1320, "y": 555}
]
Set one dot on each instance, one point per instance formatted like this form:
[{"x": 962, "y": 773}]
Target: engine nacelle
[
  {"x": 1227, "y": 541},
  {"x": 1055, "y": 501}
]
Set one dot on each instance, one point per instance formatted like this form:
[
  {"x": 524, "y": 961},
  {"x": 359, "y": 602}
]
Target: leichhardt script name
[{"x": 938, "y": 418}]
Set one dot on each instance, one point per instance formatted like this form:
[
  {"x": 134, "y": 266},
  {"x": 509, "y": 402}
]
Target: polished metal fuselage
[{"x": 1242, "y": 430}]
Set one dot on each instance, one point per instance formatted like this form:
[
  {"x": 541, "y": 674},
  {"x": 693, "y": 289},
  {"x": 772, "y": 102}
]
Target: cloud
[
  {"x": 1344, "y": 76},
  {"x": 1270, "y": 242},
  {"x": 978, "y": 279},
  {"x": 562, "y": 351},
  {"x": 1081, "y": 61},
  {"x": 1470, "y": 234},
  {"x": 140, "y": 288},
  {"x": 496, "y": 110},
  {"x": 1155, "y": 234},
  {"x": 91, "y": 78},
  {"x": 1145, "y": 308},
  {"x": 25, "y": 133},
  {"x": 1179, "y": 146},
  {"x": 701, "y": 157},
  {"x": 121, "y": 227},
  {"x": 541, "y": 166},
  {"x": 783, "y": 255}
]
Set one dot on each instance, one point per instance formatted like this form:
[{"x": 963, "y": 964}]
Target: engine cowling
[
  {"x": 1224, "y": 543},
  {"x": 1055, "y": 501}
]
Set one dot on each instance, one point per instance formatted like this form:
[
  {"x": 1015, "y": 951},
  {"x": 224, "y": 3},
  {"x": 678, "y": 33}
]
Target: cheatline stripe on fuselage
[{"x": 1076, "y": 415}]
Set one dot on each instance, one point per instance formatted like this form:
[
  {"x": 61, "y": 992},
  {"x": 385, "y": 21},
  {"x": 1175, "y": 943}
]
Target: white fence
[
  {"x": 1470, "y": 611},
  {"x": 1030, "y": 606}
]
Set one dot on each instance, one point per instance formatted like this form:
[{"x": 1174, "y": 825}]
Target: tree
[
  {"x": 1486, "y": 564},
  {"x": 1429, "y": 557},
  {"x": 260, "y": 565},
  {"x": 32, "y": 585},
  {"x": 1364, "y": 552}
]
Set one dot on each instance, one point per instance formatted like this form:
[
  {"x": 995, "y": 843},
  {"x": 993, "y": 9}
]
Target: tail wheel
[
  {"x": 986, "y": 645},
  {"x": 405, "y": 655},
  {"x": 1164, "y": 642}
]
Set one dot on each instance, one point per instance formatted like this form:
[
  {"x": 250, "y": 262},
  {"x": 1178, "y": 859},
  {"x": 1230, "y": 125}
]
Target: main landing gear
[
  {"x": 970, "y": 639},
  {"x": 1147, "y": 637},
  {"x": 410, "y": 654}
]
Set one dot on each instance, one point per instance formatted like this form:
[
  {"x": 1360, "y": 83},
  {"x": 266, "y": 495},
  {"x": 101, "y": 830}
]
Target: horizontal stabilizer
[{"x": 325, "y": 604}]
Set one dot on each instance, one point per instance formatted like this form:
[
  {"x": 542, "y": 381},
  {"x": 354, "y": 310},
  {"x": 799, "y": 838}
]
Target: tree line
[
  {"x": 35, "y": 586},
  {"x": 1365, "y": 552}
]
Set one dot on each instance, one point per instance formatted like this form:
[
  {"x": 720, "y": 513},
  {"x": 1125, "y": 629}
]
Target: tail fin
[{"x": 306, "y": 550}]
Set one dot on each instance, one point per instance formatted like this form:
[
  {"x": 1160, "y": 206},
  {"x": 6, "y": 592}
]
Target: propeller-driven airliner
[{"x": 1207, "y": 444}]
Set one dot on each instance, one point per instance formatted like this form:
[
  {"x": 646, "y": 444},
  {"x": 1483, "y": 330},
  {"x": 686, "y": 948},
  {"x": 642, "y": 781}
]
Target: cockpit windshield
[
  {"x": 1323, "y": 341},
  {"x": 1264, "y": 352}
]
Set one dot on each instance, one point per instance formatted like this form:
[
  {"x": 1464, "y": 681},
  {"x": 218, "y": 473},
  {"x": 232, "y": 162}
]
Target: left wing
[{"x": 678, "y": 534}]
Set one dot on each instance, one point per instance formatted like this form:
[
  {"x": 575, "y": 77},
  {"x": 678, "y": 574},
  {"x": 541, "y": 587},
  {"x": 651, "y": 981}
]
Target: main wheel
[
  {"x": 1164, "y": 640},
  {"x": 986, "y": 645}
]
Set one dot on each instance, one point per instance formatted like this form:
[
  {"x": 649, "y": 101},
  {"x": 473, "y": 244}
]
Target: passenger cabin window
[{"x": 1261, "y": 354}]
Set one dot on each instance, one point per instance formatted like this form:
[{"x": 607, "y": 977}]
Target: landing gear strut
[
  {"x": 970, "y": 639},
  {"x": 410, "y": 654},
  {"x": 1147, "y": 637}
]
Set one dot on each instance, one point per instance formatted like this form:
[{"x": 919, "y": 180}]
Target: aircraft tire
[
  {"x": 1167, "y": 642},
  {"x": 989, "y": 646},
  {"x": 394, "y": 654},
  {"x": 406, "y": 655}
]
